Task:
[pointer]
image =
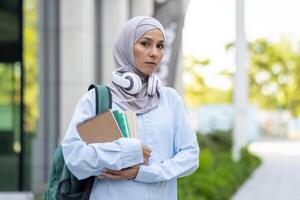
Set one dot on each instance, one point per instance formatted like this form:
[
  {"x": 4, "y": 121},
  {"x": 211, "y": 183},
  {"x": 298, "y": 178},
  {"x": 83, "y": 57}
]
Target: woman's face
[{"x": 148, "y": 51}]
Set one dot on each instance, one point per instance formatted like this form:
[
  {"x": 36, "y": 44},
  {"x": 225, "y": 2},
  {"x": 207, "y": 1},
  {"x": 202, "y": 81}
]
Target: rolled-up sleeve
[
  {"x": 186, "y": 156},
  {"x": 85, "y": 160}
]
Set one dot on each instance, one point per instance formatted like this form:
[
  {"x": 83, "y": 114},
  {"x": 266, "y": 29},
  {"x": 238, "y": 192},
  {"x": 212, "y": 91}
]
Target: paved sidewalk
[
  {"x": 16, "y": 196},
  {"x": 278, "y": 177}
]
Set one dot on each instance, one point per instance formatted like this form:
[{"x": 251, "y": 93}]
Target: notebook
[
  {"x": 122, "y": 122},
  {"x": 101, "y": 128},
  {"x": 131, "y": 120}
]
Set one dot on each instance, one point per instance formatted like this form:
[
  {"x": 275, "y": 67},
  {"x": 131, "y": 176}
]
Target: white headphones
[{"x": 132, "y": 83}]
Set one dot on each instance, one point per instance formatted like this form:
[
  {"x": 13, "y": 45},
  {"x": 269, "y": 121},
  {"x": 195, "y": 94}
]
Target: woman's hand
[
  {"x": 130, "y": 172},
  {"x": 124, "y": 174},
  {"x": 146, "y": 153}
]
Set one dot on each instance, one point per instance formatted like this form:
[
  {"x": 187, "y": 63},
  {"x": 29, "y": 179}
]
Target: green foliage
[
  {"x": 274, "y": 75},
  {"x": 218, "y": 141},
  {"x": 218, "y": 176},
  {"x": 10, "y": 72},
  {"x": 207, "y": 160},
  {"x": 274, "y": 69},
  {"x": 30, "y": 63},
  {"x": 196, "y": 90}
]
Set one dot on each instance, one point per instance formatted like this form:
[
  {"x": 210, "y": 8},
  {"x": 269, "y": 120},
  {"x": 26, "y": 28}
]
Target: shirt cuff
[
  {"x": 132, "y": 152},
  {"x": 146, "y": 174}
]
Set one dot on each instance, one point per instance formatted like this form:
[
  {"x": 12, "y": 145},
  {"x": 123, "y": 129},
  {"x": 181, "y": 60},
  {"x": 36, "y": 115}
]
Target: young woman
[{"x": 167, "y": 148}]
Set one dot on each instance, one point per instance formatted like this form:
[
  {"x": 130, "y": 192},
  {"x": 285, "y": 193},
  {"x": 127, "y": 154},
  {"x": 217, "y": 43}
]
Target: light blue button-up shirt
[{"x": 165, "y": 129}]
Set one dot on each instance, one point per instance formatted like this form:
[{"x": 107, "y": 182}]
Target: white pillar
[
  {"x": 240, "y": 83},
  {"x": 178, "y": 83},
  {"x": 77, "y": 53},
  {"x": 113, "y": 14},
  {"x": 144, "y": 8}
]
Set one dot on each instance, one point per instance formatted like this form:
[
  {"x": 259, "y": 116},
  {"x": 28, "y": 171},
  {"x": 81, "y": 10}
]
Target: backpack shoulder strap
[{"x": 103, "y": 97}]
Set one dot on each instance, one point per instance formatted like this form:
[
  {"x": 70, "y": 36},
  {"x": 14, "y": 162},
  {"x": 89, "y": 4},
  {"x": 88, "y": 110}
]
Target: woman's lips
[{"x": 150, "y": 63}]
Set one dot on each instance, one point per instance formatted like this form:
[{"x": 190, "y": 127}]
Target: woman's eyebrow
[{"x": 150, "y": 39}]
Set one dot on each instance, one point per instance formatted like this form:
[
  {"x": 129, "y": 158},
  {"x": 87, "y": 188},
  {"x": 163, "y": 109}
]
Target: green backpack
[{"x": 62, "y": 184}]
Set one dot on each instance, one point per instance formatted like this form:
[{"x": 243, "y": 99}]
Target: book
[
  {"x": 131, "y": 120},
  {"x": 122, "y": 122},
  {"x": 100, "y": 128}
]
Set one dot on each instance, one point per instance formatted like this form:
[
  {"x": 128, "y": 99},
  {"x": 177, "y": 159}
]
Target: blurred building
[
  {"x": 220, "y": 117},
  {"x": 263, "y": 124}
]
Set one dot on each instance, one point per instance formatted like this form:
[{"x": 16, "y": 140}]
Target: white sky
[{"x": 210, "y": 25}]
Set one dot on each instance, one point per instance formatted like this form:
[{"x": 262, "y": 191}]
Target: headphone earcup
[
  {"x": 132, "y": 83},
  {"x": 153, "y": 82},
  {"x": 119, "y": 80},
  {"x": 135, "y": 83}
]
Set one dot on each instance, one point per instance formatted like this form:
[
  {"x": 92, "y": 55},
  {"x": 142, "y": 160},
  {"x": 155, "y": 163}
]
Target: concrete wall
[{"x": 77, "y": 52}]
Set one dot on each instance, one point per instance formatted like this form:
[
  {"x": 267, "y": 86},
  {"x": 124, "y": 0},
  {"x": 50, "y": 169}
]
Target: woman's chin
[{"x": 147, "y": 72}]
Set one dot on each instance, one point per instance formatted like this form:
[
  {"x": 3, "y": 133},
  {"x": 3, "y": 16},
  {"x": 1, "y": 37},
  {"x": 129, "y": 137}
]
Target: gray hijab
[{"x": 123, "y": 56}]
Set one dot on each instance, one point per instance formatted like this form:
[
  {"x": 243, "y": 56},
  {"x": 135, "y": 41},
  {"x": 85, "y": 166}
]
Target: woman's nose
[{"x": 154, "y": 52}]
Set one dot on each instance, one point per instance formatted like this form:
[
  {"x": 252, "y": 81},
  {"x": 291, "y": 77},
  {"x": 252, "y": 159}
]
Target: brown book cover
[{"x": 101, "y": 128}]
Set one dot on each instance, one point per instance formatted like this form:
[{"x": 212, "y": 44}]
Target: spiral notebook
[{"x": 101, "y": 128}]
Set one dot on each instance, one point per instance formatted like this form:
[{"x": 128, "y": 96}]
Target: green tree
[
  {"x": 30, "y": 63},
  {"x": 274, "y": 80},
  {"x": 197, "y": 92},
  {"x": 10, "y": 72},
  {"x": 274, "y": 75}
]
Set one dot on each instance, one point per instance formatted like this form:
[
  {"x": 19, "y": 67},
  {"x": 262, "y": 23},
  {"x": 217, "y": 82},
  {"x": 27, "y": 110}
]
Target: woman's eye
[
  {"x": 160, "y": 46},
  {"x": 145, "y": 44}
]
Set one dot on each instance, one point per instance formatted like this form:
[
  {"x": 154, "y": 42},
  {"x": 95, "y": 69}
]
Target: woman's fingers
[
  {"x": 146, "y": 153},
  {"x": 111, "y": 176},
  {"x": 128, "y": 173},
  {"x": 114, "y": 172},
  {"x": 145, "y": 148}
]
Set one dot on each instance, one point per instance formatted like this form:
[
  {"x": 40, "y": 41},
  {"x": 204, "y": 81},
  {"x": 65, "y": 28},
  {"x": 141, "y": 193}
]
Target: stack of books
[{"x": 108, "y": 126}]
